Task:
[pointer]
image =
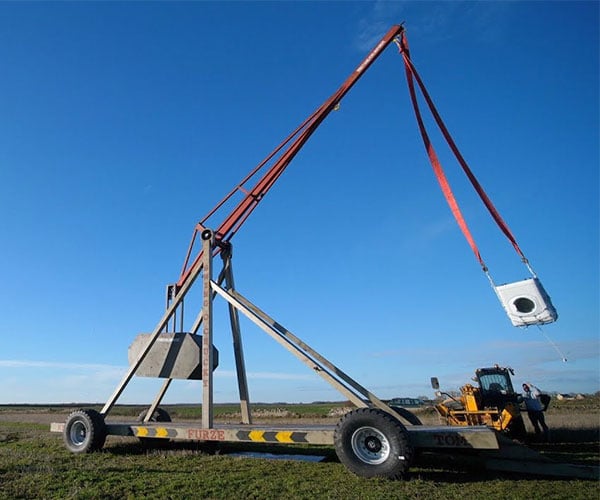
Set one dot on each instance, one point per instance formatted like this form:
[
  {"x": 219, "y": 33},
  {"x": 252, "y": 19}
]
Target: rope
[{"x": 560, "y": 353}]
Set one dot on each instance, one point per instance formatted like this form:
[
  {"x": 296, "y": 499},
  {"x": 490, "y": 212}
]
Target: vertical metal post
[
  {"x": 207, "y": 348},
  {"x": 234, "y": 319},
  {"x": 181, "y": 317},
  {"x": 168, "y": 300}
]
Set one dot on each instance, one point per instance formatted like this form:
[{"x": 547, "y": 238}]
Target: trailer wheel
[
  {"x": 159, "y": 415},
  {"x": 407, "y": 415},
  {"x": 84, "y": 431},
  {"x": 372, "y": 443}
]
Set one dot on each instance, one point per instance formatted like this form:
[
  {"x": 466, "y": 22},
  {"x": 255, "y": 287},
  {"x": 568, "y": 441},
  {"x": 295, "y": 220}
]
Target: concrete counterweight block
[
  {"x": 526, "y": 303},
  {"x": 173, "y": 355}
]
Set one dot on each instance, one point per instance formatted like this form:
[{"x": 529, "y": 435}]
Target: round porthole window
[{"x": 524, "y": 305}]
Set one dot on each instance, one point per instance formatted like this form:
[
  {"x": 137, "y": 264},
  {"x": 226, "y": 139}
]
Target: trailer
[{"x": 372, "y": 440}]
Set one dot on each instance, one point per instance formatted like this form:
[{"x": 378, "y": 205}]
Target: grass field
[{"x": 35, "y": 464}]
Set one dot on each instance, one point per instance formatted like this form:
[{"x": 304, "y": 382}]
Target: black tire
[
  {"x": 84, "y": 432},
  {"x": 407, "y": 415},
  {"x": 372, "y": 443},
  {"x": 159, "y": 415}
]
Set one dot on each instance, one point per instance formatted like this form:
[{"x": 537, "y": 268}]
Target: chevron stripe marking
[
  {"x": 284, "y": 437},
  {"x": 161, "y": 432},
  {"x": 257, "y": 436},
  {"x": 141, "y": 431},
  {"x": 299, "y": 437}
]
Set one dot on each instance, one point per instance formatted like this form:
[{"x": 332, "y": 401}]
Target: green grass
[
  {"x": 222, "y": 410},
  {"x": 35, "y": 464}
]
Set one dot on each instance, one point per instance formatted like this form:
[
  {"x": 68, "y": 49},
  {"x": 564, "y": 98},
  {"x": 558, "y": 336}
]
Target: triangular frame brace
[{"x": 224, "y": 287}]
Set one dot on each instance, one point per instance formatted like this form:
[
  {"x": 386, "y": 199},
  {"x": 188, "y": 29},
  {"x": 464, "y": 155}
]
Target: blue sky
[{"x": 122, "y": 124}]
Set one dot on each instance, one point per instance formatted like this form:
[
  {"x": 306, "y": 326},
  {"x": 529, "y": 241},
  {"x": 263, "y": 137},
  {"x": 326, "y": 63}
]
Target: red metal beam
[{"x": 298, "y": 138}]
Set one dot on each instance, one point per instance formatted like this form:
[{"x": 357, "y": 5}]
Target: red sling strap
[{"x": 411, "y": 76}]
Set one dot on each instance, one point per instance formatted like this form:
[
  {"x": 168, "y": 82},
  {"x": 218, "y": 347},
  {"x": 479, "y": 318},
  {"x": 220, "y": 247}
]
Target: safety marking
[
  {"x": 272, "y": 436},
  {"x": 141, "y": 431},
  {"x": 154, "y": 432},
  {"x": 284, "y": 437},
  {"x": 161, "y": 432},
  {"x": 257, "y": 436},
  {"x": 299, "y": 437}
]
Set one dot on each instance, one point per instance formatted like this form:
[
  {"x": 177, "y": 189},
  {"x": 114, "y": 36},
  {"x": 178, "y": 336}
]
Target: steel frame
[
  {"x": 217, "y": 242},
  {"x": 237, "y": 303},
  {"x": 223, "y": 286},
  {"x": 495, "y": 451}
]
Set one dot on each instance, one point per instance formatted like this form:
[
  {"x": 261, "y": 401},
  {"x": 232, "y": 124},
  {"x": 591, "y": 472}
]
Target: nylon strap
[{"x": 411, "y": 76}]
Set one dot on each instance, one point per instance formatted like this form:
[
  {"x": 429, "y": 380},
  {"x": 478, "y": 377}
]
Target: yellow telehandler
[{"x": 492, "y": 402}]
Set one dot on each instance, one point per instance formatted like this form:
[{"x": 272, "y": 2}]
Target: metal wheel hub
[
  {"x": 373, "y": 444},
  {"x": 370, "y": 445},
  {"x": 78, "y": 433}
]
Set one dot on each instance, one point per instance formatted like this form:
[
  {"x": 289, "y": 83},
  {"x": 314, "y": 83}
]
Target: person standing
[{"x": 533, "y": 405}]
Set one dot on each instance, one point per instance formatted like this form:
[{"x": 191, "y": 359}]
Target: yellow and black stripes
[
  {"x": 260, "y": 436},
  {"x": 153, "y": 432},
  {"x": 226, "y": 433}
]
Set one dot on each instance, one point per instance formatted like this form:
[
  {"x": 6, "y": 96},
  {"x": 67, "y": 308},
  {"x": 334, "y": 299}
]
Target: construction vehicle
[
  {"x": 370, "y": 441},
  {"x": 492, "y": 402}
]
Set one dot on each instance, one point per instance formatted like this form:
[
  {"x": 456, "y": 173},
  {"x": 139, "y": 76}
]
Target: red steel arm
[{"x": 294, "y": 143}]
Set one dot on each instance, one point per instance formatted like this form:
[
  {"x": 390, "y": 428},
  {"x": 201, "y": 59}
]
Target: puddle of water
[{"x": 274, "y": 456}]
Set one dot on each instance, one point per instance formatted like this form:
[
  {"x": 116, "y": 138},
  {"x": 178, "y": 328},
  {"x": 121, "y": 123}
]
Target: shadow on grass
[
  {"x": 470, "y": 468},
  {"x": 217, "y": 448},
  {"x": 561, "y": 435},
  {"x": 461, "y": 468}
]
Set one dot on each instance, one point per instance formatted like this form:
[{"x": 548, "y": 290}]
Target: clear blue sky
[{"x": 122, "y": 124}]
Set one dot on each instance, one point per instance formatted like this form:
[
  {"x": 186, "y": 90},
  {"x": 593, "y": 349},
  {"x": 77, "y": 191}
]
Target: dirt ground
[
  {"x": 34, "y": 417},
  {"x": 44, "y": 415}
]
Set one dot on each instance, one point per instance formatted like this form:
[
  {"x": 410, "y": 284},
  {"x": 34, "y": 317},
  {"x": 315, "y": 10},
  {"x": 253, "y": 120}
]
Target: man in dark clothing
[{"x": 534, "y": 408}]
